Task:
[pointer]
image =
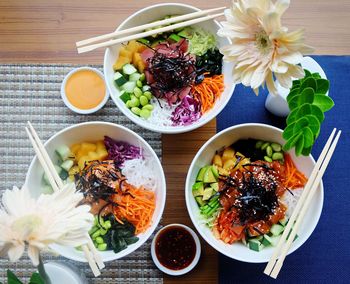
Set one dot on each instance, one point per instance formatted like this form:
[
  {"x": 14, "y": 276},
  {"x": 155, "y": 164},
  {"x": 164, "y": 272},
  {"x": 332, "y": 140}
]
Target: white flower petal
[
  {"x": 271, "y": 22},
  {"x": 15, "y": 251},
  {"x": 281, "y": 6},
  {"x": 33, "y": 253}
]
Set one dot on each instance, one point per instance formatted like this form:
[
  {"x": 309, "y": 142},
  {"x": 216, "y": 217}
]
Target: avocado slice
[
  {"x": 209, "y": 175},
  {"x": 215, "y": 186},
  {"x": 200, "y": 201},
  {"x": 208, "y": 192},
  {"x": 201, "y": 173},
  {"x": 186, "y": 33},
  {"x": 215, "y": 171},
  {"x": 198, "y": 189}
]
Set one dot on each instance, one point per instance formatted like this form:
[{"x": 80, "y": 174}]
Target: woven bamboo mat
[{"x": 32, "y": 92}]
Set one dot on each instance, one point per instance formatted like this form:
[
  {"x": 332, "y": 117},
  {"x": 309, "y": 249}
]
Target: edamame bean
[
  {"x": 267, "y": 159},
  {"x": 99, "y": 240},
  {"x": 269, "y": 151},
  {"x": 142, "y": 77},
  {"x": 258, "y": 144},
  {"x": 276, "y": 147},
  {"x": 96, "y": 234},
  {"x": 102, "y": 246},
  {"x": 137, "y": 92},
  {"x": 134, "y": 102},
  {"x": 103, "y": 232},
  {"x": 145, "y": 113},
  {"x": 136, "y": 110},
  {"x": 148, "y": 95},
  {"x": 149, "y": 107},
  {"x": 139, "y": 83},
  {"x": 264, "y": 146},
  {"x": 108, "y": 224},
  {"x": 128, "y": 104},
  {"x": 143, "y": 100},
  {"x": 277, "y": 156}
]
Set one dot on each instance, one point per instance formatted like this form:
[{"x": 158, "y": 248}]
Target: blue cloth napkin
[{"x": 325, "y": 256}]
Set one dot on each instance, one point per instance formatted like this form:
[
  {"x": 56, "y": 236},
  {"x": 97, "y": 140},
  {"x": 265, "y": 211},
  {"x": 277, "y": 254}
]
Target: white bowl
[
  {"x": 181, "y": 271},
  {"x": 93, "y": 131},
  {"x": 226, "y": 137},
  {"x": 150, "y": 14},
  {"x": 74, "y": 108}
]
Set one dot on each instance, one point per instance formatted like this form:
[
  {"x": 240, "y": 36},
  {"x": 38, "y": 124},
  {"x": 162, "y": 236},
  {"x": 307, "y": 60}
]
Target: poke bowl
[
  {"x": 121, "y": 178},
  {"x": 172, "y": 82},
  {"x": 241, "y": 189}
]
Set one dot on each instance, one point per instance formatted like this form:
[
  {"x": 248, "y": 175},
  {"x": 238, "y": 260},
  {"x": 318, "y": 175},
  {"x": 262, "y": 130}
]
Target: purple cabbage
[
  {"x": 120, "y": 151},
  {"x": 187, "y": 112}
]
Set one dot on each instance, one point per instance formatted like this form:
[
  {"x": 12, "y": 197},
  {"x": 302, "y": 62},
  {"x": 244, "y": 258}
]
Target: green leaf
[
  {"x": 295, "y": 84},
  {"x": 306, "y": 96},
  {"x": 291, "y": 142},
  {"x": 288, "y": 131},
  {"x": 299, "y": 145},
  {"x": 292, "y": 116},
  {"x": 325, "y": 103},
  {"x": 12, "y": 278},
  {"x": 316, "y": 75},
  {"x": 314, "y": 124},
  {"x": 322, "y": 86},
  {"x": 308, "y": 137},
  {"x": 300, "y": 124},
  {"x": 303, "y": 110},
  {"x": 292, "y": 94},
  {"x": 316, "y": 111},
  {"x": 36, "y": 279},
  {"x": 306, "y": 151},
  {"x": 307, "y": 73},
  {"x": 308, "y": 83}
]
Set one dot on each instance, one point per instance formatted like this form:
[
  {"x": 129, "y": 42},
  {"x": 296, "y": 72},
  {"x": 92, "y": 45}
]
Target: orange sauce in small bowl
[{"x": 85, "y": 89}]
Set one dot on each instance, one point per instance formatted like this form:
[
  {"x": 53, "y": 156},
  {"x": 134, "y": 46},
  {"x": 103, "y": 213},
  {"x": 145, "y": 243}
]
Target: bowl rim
[
  {"x": 159, "y": 129},
  {"x": 194, "y": 219},
  {"x": 71, "y": 106},
  {"x": 162, "y": 187},
  {"x": 186, "y": 269}
]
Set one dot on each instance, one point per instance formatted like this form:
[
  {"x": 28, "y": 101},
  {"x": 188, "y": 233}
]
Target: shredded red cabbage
[
  {"x": 120, "y": 151},
  {"x": 187, "y": 112}
]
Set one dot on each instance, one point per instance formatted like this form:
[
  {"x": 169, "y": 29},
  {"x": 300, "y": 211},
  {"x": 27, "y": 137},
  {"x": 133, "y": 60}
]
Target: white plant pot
[
  {"x": 60, "y": 273},
  {"x": 277, "y": 104}
]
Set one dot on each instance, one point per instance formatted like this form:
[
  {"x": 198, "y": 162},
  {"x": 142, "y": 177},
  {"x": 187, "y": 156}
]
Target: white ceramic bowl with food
[
  {"x": 148, "y": 15},
  {"x": 204, "y": 156},
  {"x": 94, "y": 131}
]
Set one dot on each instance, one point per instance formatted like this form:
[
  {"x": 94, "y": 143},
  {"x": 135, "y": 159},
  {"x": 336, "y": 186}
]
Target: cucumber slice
[
  {"x": 207, "y": 193},
  {"x": 63, "y": 174},
  {"x": 276, "y": 229},
  {"x": 66, "y": 165},
  {"x": 63, "y": 152},
  {"x": 129, "y": 69},
  {"x": 125, "y": 97},
  {"x": 129, "y": 86},
  {"x": 134, "y": 77},
  {"x": 270, "y": 240},
  {"x": 198, "y": 189},
  {"x": 209, "y": 175},
  {"x": 201, "y": 173},
  {"x": 175, "y": 37},
  {"x": 144, "y": 41},
  {"x": 215, "y": 171},
  {"x": 200, "y": 201},
  {"x": 119, "y": 79},
  {"x": 255, "y": 245}
]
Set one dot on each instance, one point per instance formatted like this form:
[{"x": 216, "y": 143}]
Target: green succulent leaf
[
  {"x": 316, "y": 111},
  {"x": 314, "y": 124},
  {"x": 288, "y": 131},
  {"x": 316, "y": 76},
  {"x": 306, "y": 151},
  {"x": 300, "y": 124},
  {"x": 299, "y": 145},
  {"x": 309, "y": 82},
  {"x": 303, "y": 110},
  {"x": 308, "y": 137},
  {"x": 36, "y": 279},
  {"x": 12, "y": 278},
  {"x": 295, "y": 84},
  {"x": 292, "y": 116},
  {"x": 322, "y": 86},
  {"x": 325, "y": 103},
  {"x": 307, "y": 73},
  {"x": 292, "y": 94},
  {"x": 306, "y": 96},
  {"x": 292, "y": 141}
]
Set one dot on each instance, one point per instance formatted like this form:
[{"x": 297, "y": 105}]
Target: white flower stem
[{"x": 42, "y": 271}]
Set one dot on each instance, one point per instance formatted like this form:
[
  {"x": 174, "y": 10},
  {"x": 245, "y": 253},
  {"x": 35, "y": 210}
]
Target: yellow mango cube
[{"x": 75, "y": 148}]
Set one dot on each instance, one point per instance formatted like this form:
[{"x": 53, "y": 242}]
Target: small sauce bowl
[
  {"x": 176, "y": 232},
  {"x": 75, "y": 108}
]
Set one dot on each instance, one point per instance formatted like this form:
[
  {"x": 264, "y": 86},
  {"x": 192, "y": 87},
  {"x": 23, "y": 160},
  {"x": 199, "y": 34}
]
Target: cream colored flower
[
  {"x": 51, "y": 219},
  {"x": 262, "y": 49}
]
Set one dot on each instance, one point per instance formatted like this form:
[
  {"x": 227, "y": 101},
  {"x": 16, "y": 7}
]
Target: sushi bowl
[
  {"x": 178, "y": 110},
  {"x": 242, "y": 245},
  {"x": 91, "y": 132}
]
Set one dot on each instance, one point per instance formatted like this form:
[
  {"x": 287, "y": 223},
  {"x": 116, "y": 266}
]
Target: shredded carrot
[
  {"x": 137, "y": 206},
  {"x": 208, "y": 91},
  {"x": 294, "y": 178}
]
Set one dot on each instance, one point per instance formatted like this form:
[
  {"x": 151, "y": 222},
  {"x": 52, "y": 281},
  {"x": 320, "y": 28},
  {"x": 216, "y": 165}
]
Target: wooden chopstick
[
  {"x": 147, "y": 26},
  {"x": 272, "y": 269},
  {"x": 88, "y": 48},
  {"x": 90, "y": 251}
]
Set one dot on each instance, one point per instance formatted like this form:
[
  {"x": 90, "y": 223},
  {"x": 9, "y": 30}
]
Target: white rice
[{"x": 291, "y": 200}]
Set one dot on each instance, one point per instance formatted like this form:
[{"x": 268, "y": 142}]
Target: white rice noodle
[
  {"x": 140, "y": 172},
  {"x": 291, "y": 200},
  {"x": 161, "y": 116}
]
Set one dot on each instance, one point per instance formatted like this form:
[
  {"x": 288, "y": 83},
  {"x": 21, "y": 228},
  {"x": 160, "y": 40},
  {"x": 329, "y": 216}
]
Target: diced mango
[
  {"x": 125, "y": 53},
  {"x": 228, "y": 154},
  {"x": 217, "y": 160},
  {"x": 74, "y": 170},
  {"x": 83, "y": 161},
  {"x": 133, "y": 46},
  {"x": 93, "y": 156},
  {"x": 141, "y": 66},
  {"x": 121, "y": 61},
  {"x": 136, "y": 58},
  {"x": 75, "y": 148},
  {"x": 100, "y": 145},
  {"x": 102, "y": 154},
  {"x": 229, "y": 164},
  {"x": 88, "y": 147}
]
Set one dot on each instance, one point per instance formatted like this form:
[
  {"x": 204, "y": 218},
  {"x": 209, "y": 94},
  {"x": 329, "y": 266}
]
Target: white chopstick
[
  {"x": 148, "y": 33},
  {"x": 273, "y": 268},
  {"x": 147, "y": 26},
  {"x": 90, "y": 251}
]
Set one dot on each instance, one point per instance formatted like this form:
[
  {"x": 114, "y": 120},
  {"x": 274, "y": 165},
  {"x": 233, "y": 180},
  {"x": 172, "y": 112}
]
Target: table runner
[
  {"x": 32, "y": 92},
  {"x": 325, "y": 257}
]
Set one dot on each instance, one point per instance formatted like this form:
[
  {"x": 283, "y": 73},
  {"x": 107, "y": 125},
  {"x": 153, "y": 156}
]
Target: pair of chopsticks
[
  {"x": 275, "y": 264},
  {"x": 91, "y": 254},
  {"x": 90, "y": 44}
]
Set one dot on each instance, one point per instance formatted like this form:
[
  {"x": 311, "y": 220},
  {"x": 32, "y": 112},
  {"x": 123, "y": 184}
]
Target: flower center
[
  {"x": 262, "y": 41},
  {"x": 26, "y": 224}
]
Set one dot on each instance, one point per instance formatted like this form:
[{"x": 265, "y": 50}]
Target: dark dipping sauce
[{"x": 175, "y": 248}]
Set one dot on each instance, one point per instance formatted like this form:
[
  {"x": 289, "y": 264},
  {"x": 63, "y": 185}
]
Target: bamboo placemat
[{"x": 32, "y": 92}]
